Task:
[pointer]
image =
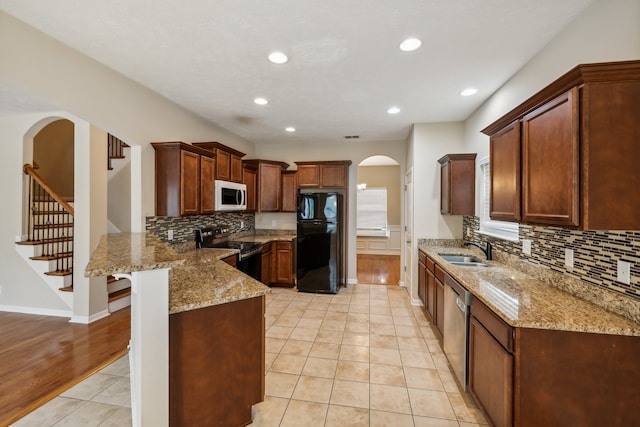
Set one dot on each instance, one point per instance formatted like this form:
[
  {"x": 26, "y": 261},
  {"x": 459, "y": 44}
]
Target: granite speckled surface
[
  {"x": 128, "y": 252},
  {"x": 197, "y": 278},
  {"x": 264, "y": 238},
  {"x": 524, "y": 301}
]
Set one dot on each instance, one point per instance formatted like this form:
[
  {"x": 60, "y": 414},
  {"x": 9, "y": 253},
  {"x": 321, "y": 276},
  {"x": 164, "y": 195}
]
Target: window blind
[{"x": 372, "y": 209}]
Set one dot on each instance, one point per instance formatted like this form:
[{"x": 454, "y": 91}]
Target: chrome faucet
[{"x": 487, "y": 252}]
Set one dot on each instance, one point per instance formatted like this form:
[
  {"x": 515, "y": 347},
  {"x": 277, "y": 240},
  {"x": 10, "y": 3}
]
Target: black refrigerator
[{"x": 319, "y": 243}]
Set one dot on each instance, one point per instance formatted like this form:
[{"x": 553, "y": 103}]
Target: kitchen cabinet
[
  {"x": 267, "y": 263},
  {"x": 232, "y": 260},
  {"x": 578, "y": 148},
  {"x": 289, "y": 191},
  {"x": 504, "y": 169},
  {"x": 183, "y": 178},
  {"x": 323, "y": 174},
  {"x": 268, "y": 184},
  {"x": 214, "y": 357},
  {"x": 284, "y": 263},
  {"x": 439, "y": 299},
  {"x": 491, "y": 364},
  {"x": 457, "y": 184},
  {"x": 431, "y": 288},
  {"x": 422, "y": 279},
  {"x": 541, "y": 377},
  {"x": 228, "y": 161},
  {"x": 250, "y": 179}
]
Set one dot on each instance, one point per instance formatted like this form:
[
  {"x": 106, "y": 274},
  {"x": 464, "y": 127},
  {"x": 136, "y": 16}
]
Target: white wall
[
  {"x": 608, "y": 30},
  {"x": 72, "y": 82},
  {"x": 354, "y": 151}
]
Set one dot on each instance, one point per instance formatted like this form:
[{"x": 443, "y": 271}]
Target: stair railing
[
  {"x": 115, "y": 149},
  {"x": 47, "y": 221}
]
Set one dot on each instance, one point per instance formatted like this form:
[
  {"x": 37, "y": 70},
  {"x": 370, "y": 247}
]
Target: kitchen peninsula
[{"x": 197, "y": 350}]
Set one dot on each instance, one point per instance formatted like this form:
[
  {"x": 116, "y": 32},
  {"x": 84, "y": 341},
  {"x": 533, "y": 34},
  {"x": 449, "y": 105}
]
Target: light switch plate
[
  {"x": 624, "y": 272},
  {"x": 526, "y": 246},
  {"x": 568, "y": 257}
]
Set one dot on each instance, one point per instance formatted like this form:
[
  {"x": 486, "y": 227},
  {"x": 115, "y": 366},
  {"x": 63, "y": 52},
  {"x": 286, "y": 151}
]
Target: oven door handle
[{"x": 242, "y": 256}]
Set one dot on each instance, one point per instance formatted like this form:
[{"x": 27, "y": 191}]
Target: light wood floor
[
  {"x": 41, "y": 356},
  {"x": 378, "y": 269}
]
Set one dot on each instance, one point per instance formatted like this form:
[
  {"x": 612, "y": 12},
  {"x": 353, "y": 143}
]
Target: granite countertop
[
  {"x": 266, "y": 238},
  {"x": 524, "y": 301},
  {"x": 128, "y": 252},
  {"x": 204, "y": 281},
  {"x": 197, "y": 278}
]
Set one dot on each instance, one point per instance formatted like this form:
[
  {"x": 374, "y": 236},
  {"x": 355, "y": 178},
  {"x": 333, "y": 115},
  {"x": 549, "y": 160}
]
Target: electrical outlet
[
  {"x": 468, "y": 231},
  {"x": 241, "y": 225},
  {"x": 624, "y": 272},
  {"x": 273, "y": 223},
  {"x": 568, "y": 257},
  {"x": 170, "y": 235},
  {"x": 526, "y": 247}
]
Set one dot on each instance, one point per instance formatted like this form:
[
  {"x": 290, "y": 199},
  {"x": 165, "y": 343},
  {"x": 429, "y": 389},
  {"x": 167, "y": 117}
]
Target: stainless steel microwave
[{"x": 230, "y": 196}]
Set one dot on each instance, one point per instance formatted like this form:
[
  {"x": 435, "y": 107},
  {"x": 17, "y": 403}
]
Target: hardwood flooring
[
  {"x": 378, "y": 269},
  {"x": 41, "y": 356}
]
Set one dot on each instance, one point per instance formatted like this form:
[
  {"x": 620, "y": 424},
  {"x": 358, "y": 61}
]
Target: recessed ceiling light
[
  {"x": 278, "y": 57},
  {"x": 261, "y": 101},
  {"x": 469, "y": 91},
  {"x": 290, "y": 129},
  {"x": 393, "y": 110},
  {"x": 410, "y": 44}
]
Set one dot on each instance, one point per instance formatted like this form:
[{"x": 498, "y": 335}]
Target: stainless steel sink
[{"x": 463, "y": 260}]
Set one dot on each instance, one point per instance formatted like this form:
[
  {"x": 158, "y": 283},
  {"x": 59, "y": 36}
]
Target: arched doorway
[
  {"x": 378, "y": 221},
  {"x": 53, "y": 155}
]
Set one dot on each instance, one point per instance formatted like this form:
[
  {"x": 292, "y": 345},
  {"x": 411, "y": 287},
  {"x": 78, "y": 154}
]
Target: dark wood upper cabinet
[
  {"x": 184, "y": 183},
  {"x": 550, "y": 170},
  {"x": 457, "y": 184},
  {"x": 228, "y": 161},
  {"x": 579, "y": 150},
  {"x": 268, "y": 184},
  {"x": 504, "y": 199},
  {"x": 250, "y": 179},
  {"x": 323, "y": 174},
  {"x": 289, "y": 191}
]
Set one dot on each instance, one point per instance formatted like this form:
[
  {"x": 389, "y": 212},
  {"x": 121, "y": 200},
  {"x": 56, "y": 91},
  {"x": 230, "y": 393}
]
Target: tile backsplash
[
  {"x": 596, "y": 253},
  {"x": 183, "y": 227}
]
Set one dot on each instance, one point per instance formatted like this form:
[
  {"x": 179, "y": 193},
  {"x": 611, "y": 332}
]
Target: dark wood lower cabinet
[
  {"x": 539, "y": 377},
  {"x": 216, "y": 364}
]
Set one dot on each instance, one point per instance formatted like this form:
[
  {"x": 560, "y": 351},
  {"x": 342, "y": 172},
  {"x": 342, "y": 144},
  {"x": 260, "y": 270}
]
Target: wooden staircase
[{"x": 48, "y": 246}]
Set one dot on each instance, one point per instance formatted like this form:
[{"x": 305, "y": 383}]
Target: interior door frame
[{"x": 407, "y": 273}]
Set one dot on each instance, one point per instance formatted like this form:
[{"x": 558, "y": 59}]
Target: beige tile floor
[
  {"x": 103, "y": 399},
  {"x": 363, "y": 357}
]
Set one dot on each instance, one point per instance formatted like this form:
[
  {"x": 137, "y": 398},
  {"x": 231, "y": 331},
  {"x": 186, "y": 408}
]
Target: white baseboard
[
  {"x": 90, "y": 319},
  {"x": 416, "y": 302},
  {"x": 352, "y": 281},
  {"x": 35, "y": 310}
]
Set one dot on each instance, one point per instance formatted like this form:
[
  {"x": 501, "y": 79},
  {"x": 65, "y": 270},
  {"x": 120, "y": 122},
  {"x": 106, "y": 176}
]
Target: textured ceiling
[{"x": 344, "y": 71}]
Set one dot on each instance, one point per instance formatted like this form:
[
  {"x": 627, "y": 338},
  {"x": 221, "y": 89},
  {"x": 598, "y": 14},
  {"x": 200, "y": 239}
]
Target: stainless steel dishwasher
[{"x": 456, "y": 327}]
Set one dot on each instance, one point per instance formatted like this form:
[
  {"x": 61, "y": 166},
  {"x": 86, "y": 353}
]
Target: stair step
[
  {"x": 60, "y": 273},
  {"x": 50, "y": 213},
  {"x": 114, "y": 296},
  {"x": 47, "y": 241},
  {"x": 67, "y": 289},
  {"x": 117, "y": 157},
  {"x": 52, "y": 257}
]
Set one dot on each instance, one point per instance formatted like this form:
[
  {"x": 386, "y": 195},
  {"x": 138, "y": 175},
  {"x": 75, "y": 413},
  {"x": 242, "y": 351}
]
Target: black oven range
[{"x": 249, "y": 258}]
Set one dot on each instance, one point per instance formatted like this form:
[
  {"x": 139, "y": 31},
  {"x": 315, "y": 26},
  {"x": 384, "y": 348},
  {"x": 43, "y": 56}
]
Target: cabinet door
[
  {"x": 267, "y": 257},
  {"x": 309, "y": 175},
  {"x": 439, "y": 306},
  {"x": 249, "y": 178},
  {"x": 231, "y": 260},
  {"x": 269, "y": 187},
  {"x": 445, "y": 188},
  {"x": 504, "y": 164},
  {"x": 189, "y": 183},
  {"x": 284, "y": 263},
  {"x": 235, "y": 174},
  {"x": 223, "y": 165},
  {"x": 207, "y": 176},
  {"x": 550, "y": 162},
  {"x": 289, "y": 190},
  {"x": 332, "y": 175},
  {"x": 422, "y": 279},
  {"x": 431, "y": 294},
  {"x": 490, "y": 375}
]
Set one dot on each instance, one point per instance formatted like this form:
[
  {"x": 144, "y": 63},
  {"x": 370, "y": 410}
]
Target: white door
[{"x": 408, "y": 227}]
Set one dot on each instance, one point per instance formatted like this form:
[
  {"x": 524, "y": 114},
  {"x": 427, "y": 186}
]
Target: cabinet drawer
[
  {"x": 422, "y": 257},
  {"x": 440, "y": 274},
  {"x": 502, "y": 332},
  {"x": 431, "y": 265}
]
